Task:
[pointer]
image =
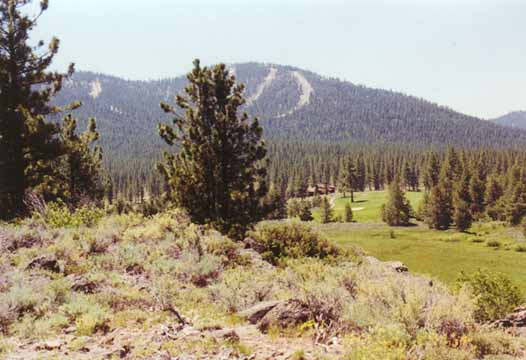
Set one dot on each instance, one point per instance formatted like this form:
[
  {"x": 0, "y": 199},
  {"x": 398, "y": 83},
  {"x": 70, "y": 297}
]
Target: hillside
[
  {"x": 516, "y": 119},
  {"x": 135, "y": 287},
  {"x": 293, "y": 104}
]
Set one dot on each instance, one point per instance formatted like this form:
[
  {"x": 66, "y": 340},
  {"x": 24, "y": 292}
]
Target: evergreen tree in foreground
[
  {"x": 28, "y": 144},
  {"x": 218, "y": 175},
  {"x": 397, "y": 211}
]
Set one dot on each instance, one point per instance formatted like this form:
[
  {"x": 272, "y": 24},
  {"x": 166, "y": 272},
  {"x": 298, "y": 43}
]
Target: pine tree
[
  {"x": 477, "y": 190},
  {"x": 293, "y": 208},
  {"x": 494, "y": 191},
  {"x": 27, "y": 141},
  {"x": 82, "y": 163},
  {"x": 347, "y": 213},
  {"x": 275, "y": 204},
  {"x": 397, "y": 211},
  {"x": 462, "y": 216},
  {"x": 432, "y": 171},
  {"x": 327, "y": 213},
  {"x": 305, "y": 212},
  {"x": 360, "y": 174},
  {"x": 452, "y": 167},
  {"x": 218, "y": 175},
  {"x": 423, "y": 208},
  {"x": 492, "y": 198},
  {"x": 349, "y": 179},
  {"x": 439, "y": 208},
  {"x": 516, "y": 204}
]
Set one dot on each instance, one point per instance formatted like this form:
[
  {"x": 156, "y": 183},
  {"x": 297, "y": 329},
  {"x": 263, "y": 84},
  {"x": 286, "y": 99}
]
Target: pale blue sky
[{"x": 467, "y": 54}]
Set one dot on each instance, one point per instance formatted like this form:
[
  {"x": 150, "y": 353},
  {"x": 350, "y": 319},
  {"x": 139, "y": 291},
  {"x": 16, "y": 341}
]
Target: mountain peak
[
  {"x": 515, "y": 119},
  {"x": 292, "y": 104}
]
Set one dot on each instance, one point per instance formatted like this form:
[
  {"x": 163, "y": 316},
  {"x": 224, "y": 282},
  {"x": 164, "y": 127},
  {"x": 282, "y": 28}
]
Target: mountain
[
  {"x": 292, "y": 104},
  {"x": 515, "y": 119}
]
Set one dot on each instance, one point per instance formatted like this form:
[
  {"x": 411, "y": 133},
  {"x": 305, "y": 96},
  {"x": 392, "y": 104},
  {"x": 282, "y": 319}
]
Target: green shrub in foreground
[
  {"x": 496, "y": 294},
  {"x": 275, "y": 242},
  {"x": 58, "y": 215}
]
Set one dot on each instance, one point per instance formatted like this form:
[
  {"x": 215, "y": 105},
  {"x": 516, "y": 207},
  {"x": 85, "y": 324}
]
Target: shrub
[
  {"x": 275, "y": 242},
  {"x": 496, "y": 295},
  {"x": 87, "y": 314},
  {"x": 495, "y": 342},
  {"x": 6, "y": 316},
  {"x": 494, "y": 244},
  {"x": 240, "y": 288},
  {"x": 520, "y": 248},
  {"x": 58, "y": 215}
]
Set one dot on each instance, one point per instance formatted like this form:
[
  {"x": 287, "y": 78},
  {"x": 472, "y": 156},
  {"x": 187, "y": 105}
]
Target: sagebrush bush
[
  {"x": 88, "y": 315},
  {"x": 58, "y": 215},
  {"x": 495, "y": 294},
  {"x": 276, "y": 242},
  {"x": 385, "y": 297},
  {"x": 240, "y": 288},
  {"x": 494, "y": 342}
]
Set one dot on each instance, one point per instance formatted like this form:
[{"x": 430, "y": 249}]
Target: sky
[{"x": 469, "y": 55}]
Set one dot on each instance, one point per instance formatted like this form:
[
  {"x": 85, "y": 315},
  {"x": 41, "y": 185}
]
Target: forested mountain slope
[
  {"x": 293, "y": 104},
  {"x": 516, "y": 119}
]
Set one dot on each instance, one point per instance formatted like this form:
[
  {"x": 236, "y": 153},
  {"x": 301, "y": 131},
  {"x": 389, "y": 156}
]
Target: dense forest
[{"x": 299, "y": 111}]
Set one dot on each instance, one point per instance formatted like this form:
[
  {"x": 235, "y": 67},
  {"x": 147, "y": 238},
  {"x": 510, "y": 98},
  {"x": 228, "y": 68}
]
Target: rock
[
  {"x": 516, "y": 319},
  {"x": 45, "y": 262},
  {"x": 397, "y": 266},
  {"x": 372, "y": 260},
  {"x": 258, "y": 311},
  {"x": 83, "y": 285},
  {"x": 226, "y": 334},
  {"x": 124, "y": 351},
  {"x": 250, "y": 243},
  {"x": 49, "y": 345},
  {"x": 286, "y": 314},
  {"x": 256, "y": 260},
  {"x": 70, "y": 330}
]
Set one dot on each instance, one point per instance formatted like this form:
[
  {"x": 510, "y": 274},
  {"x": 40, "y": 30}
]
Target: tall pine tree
[
  {"x": 27, "y": 141},
  {"x": 218, "y": 175},
  {"x": 397, "y": 211}
]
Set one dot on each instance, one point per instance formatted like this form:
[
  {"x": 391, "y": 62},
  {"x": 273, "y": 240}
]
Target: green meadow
[{"x": 440, "y": 254}]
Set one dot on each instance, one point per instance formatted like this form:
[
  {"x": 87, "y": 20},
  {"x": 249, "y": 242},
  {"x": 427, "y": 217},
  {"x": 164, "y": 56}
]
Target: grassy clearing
[
  {"x": 441, "y": 254},
  {"x": 366, "y": 206}
]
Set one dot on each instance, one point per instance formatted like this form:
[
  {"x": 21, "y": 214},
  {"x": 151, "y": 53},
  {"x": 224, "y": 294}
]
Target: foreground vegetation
[{"x": 147, "y": 287}]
